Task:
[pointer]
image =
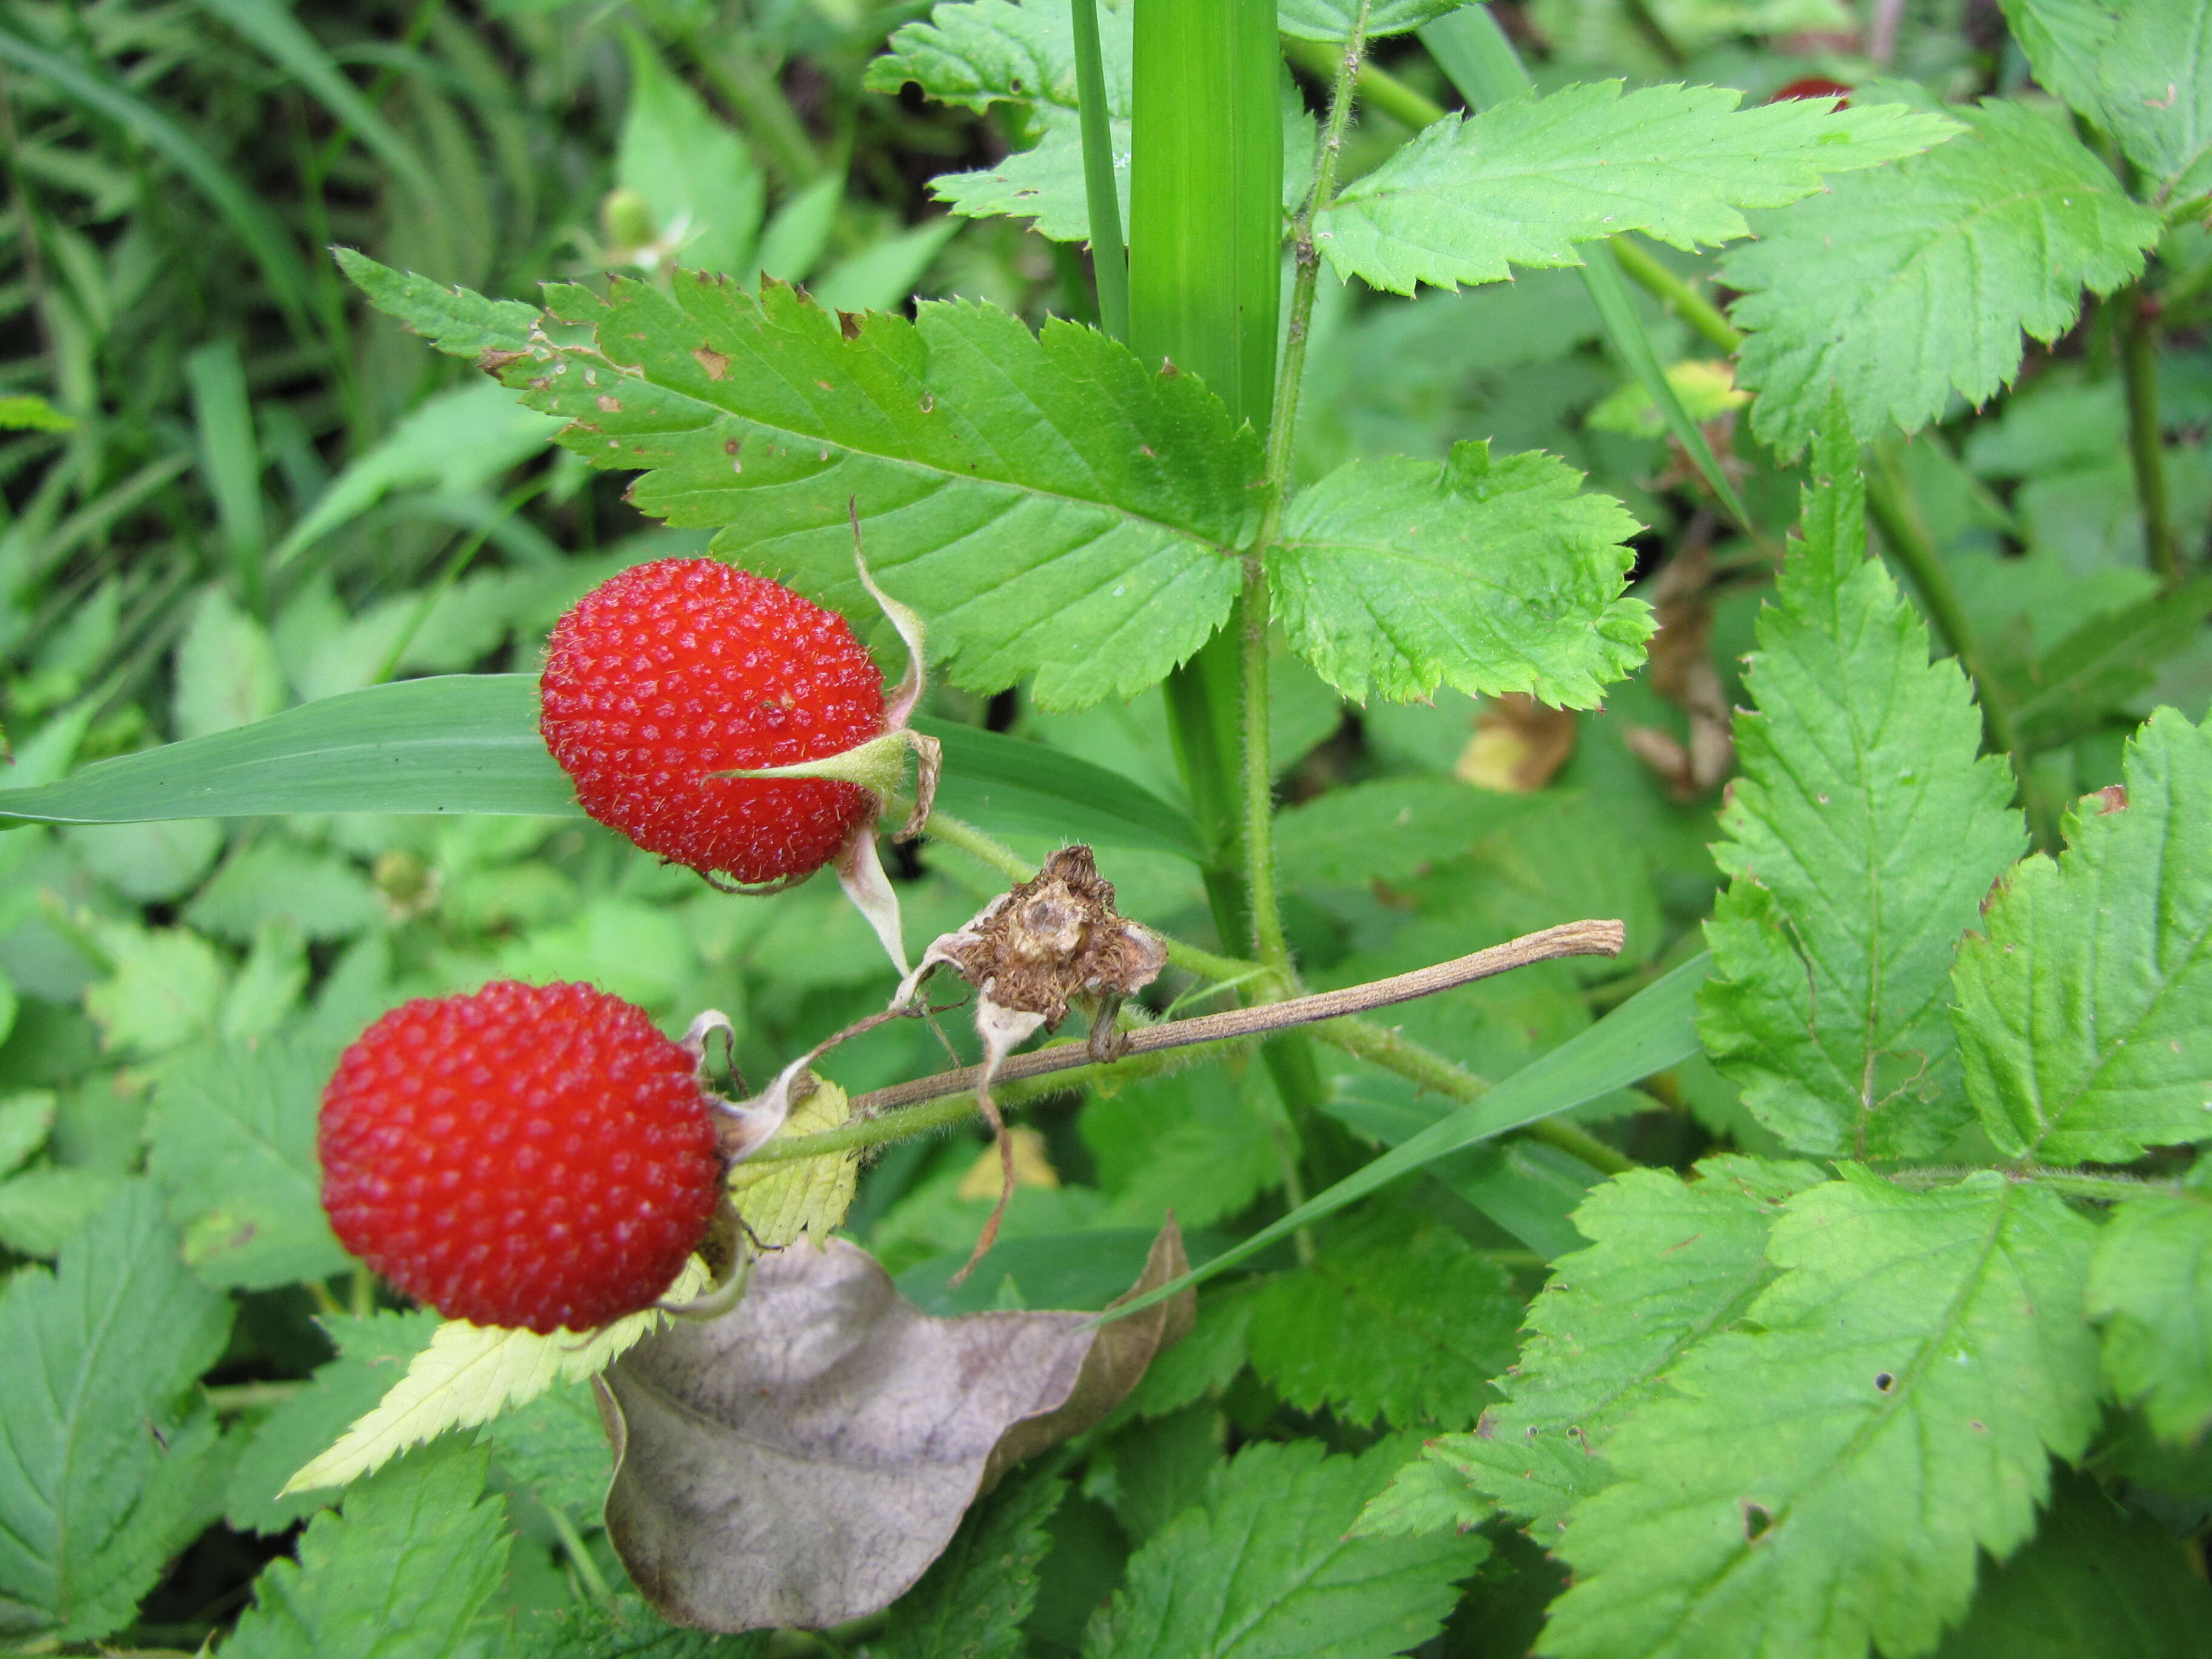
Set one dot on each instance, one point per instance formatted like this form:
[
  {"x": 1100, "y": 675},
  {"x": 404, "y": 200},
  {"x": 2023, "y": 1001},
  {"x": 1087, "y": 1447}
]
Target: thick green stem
[
  {"x": 1889, "y": 504},
  {"x": 1637, "y": 265},
  {"x": 1109, "y": 255},
  {"x": 2139, "y": 324}
]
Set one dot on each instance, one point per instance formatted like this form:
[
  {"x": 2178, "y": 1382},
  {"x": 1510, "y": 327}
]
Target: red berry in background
[
  {"x": 527, "y": 1155},
  {"x": 1813, "y": 86},
  {"x": 682, "y": 668}
]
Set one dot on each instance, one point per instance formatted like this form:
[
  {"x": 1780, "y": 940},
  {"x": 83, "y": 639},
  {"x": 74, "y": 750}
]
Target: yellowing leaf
[
  {"x": 1032, "y": 1167},
  {"x": 804, "y": 1198},
  {"x": 470, "y": 1374}
]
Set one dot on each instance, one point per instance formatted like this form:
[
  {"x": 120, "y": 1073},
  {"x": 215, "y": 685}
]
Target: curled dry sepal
[
  {"x": 802, "y": 1459},
  {"x": 1029, "y": 953}
]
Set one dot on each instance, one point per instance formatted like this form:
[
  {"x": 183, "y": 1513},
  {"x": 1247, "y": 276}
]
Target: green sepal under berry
[
  {"x": 1048, "y": 506},
  {"x": 1392, "y": 577},
  {"x": 2085, "y": 1013},
  {"x": 1863, "y": 834},
  {"x": 1825, "y": 1475}
]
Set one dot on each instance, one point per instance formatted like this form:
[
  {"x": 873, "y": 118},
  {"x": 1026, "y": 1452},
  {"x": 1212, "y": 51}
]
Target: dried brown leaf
[
  {"x": 801, "y": 1459},
  {"x": 1518, "y": 743}
]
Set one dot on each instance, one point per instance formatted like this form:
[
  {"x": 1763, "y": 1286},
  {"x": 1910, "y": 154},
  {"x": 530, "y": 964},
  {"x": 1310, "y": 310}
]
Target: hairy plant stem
[
  {"x": 2138, "y": 352},
  {"x": 1891, "y": 507},
  {"x": 1379, "y": 89},
  {"x": 895, "y": 1113}
]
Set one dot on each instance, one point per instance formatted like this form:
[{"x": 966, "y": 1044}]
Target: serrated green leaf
[
  {"x": 800, "y": 1198},
  {"x": 1204, "y": 1143},
  {"x": 2140, "y": 69},
  {"x": 2151, "y": 1283},
  {"x": 401, "y": 1573},
  {"x": 1863, "y": 834},
  {"x": 227, "y": 671},
  {"x": 1523, "y": 183},
  {"x": 42, "y": 1209},
  {"x": 2085, "y": 1013},
  {"x": 372, "y": 1354},
  {"x": 1671, "y": 1264},
  {"x": 2096, "y": 1580},
  {"x": 2095, "y": 670},
  {"x": 1392, "y": 577},
  {"x": 232, "y": 1141},
  {"x": 101, "y": 1461},
  {"x": 1903, "y": 286},
  {"x": 1824, "y": 1477},
  {"x": 1046, "y": 505},
  {"x": 165, "y": 989},
  {"x": 1332, "y": 20},
  {"x": 555, "y": 1446},
  {"x": 624, "y": 1629},
  {"x": 457, "y": 322},
  {"x": 1433, "y": 1319},
  {"x": 470, "y": 1374},
  {"x": 1262, "y": 1570},
  {"x": 1422, "y": 1497},
  {"x": 972, "y": 1602},
  {"x": 25, "y": 1118},
  {"x": 976, "y": 53},
  {"x": 324, "y": 896}
]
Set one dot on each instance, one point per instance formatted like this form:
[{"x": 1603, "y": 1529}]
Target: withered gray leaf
[{"x": 801, "y": 1459}]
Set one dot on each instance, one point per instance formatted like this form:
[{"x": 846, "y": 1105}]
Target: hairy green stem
[
  {"x": 1109, "y": 255},
  {"x": 2138, "y": 344},
  {"x": 1379, "y": 89}
]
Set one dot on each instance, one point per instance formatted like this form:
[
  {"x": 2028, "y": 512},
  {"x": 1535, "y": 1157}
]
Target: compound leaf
[
  {"x": 1434, "y": 1319},
  {"x": 1049, "y": 507},
  {"x": 972, "y": 1601},
  {"x": 2084, "y": 1015},
  {"x": 1671, "y": 1263},
  {"x": 1862, "y": 837},
  {"x": 2151, "y": 1284},
  {"x": 1824, "y": 1477},
  {"x": 1395, "y": 576},
  {"x": 102, "y": 1460},
  {"x": 1903, "y": 286},
  {"x": 1262, "y": 1569},
  {"x": 401, "y": 1573},
  {"x": 1523, "y": 183}
]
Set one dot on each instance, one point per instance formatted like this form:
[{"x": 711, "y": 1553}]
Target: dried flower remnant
[{"x": 1030, "y": 952}]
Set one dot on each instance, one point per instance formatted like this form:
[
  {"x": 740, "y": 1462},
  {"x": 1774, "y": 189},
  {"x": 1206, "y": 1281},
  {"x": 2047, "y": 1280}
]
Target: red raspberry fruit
[
  {"x": 682, "y": 668},
  {"x": 527, "y": 1155}
]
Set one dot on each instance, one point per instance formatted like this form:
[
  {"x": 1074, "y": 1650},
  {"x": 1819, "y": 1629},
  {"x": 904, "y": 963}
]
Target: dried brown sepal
[
  {"x": 1029, "y": 953},
  {"x": 801, "y": 1459}
]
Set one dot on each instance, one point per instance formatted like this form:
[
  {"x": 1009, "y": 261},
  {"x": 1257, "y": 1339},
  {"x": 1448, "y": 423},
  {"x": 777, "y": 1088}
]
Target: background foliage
[{"x": 232, "y": 489}]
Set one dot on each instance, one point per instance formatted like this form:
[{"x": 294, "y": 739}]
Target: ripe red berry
[
  {"x": 682, "y": 668},
  {"x": 527, "y": 1155},
  {"x": 1813, "y": 86}
]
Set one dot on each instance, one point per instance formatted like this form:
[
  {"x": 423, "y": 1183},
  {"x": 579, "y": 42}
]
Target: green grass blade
[
  {"x": 469, "y": 743},
  {"x": 1648, "y": 1033},
  {"x": 1473, "y": 51},
  {"x": 1109, "y": 255},
  {"x": 230, "y": 458},
  {"x": 291, "y": 48},
  {"x": 264, "y": 236}
]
